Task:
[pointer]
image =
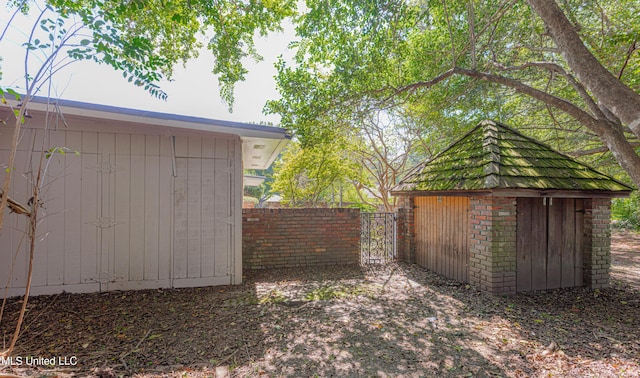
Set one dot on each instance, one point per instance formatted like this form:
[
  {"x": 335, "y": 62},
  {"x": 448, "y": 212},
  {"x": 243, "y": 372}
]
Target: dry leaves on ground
[{"x": 393, "y": 320}]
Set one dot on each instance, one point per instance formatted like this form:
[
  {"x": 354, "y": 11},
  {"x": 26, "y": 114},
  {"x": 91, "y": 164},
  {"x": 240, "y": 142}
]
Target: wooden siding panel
[
  {"x": 122, "y": 210},
  {"x": 194, "y": 213},
  {"x": 538, "y": 244},
  {"x": 222, "y": 218},
  {"x": 89, "y": 213},
  {"x": 180, "y": 220},
  {"x": 524, "y": 244},
  {"x": 568, "y": 243},
  {"x": 106, "y": 148},
  {"x": 137, "y": 209},
  {"x": 442, "y": 243},
  {"x": 555, "y": 243},
  {"x": 73, "y": 213},
  {"x": 55, "y": 208},
  {"x": 151, "y": 207},
  {"x": 165, "y": 215},
  {"x": 579, "y": 242},
  {"x": 208, "y": 216}
]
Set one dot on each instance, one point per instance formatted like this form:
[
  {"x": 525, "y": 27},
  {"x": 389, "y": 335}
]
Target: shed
[
  {"x": 151, "y": 200},
  {"x": 507, "y": 214}
]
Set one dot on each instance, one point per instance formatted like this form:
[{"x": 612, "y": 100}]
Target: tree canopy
[
  {"x": 145, "y": 39},
  {"x": 452, "y": 63}
]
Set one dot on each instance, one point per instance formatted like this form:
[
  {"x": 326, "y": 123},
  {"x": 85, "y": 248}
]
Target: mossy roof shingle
[{"x": 494, "y": 156}]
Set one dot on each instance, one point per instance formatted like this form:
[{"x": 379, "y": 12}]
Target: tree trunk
[
  {"x": 610, "y": 92},
  {"x": 613, "y": 137}
]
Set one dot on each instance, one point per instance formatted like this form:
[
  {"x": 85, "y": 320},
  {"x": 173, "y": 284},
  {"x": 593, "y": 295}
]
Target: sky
[{"x": 193, "y": 90}]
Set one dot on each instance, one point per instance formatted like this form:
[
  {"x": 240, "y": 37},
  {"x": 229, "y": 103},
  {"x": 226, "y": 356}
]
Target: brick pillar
[
  {"x": 492, "y": 260},
  {"x": 406, "y": 229},
  {"x": 597, "y": 242}
]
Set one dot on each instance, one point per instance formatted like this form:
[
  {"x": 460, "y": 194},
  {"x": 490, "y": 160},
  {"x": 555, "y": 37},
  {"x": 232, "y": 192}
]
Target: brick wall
[
  {"x": 278, "y": 238},
  {"x": 597, "y": 242},
  {"x": 406, "y": 229},
  {"x": 492, "y": 255}
]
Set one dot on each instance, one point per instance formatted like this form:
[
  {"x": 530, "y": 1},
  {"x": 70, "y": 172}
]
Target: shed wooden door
[
  {"x": 203, "y": 222},
  {"x": 442, "y": 238},
  {"x": 549, "y": 243}
]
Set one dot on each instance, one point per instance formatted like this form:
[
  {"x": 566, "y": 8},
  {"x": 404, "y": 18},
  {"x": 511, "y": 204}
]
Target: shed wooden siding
[
  {"x": 109, "y": 216},
  {"x": 550, "y": 243},
  {"x": 442, "y": 235}
]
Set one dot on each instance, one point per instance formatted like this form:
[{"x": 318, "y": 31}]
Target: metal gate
[{"x": 378, "y": 238}]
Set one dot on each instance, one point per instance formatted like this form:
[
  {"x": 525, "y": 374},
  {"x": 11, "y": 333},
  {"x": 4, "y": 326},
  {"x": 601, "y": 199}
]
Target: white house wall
[{"x": 129, "y": 212}]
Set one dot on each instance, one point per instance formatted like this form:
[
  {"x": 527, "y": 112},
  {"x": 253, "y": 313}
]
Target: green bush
[{"x": 625, "y": 212}]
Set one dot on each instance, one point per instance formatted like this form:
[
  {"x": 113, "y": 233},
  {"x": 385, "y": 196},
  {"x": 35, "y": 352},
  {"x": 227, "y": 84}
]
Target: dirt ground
[{"x": 394, "y": 320}]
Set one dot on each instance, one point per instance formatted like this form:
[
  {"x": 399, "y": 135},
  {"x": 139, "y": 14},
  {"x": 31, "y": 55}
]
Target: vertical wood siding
[
  {"x": 549, "y": 246},
  {"x": 203, "y": 252},
  {"x": 442, "y": 236},
  {"x": 115, "y": 217}
]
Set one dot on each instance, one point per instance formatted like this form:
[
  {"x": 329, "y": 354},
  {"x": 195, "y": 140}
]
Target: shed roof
[
  {"x": 261, "y": 144},
  {"x": 493, "y": 156}
]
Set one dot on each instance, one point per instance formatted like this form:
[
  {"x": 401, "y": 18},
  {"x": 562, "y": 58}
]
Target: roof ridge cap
[{"x": 492, "y": 153}]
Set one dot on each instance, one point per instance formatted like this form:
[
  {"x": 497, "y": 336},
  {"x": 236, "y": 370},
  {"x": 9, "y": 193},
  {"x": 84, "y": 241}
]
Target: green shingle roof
[{"x": 494, "y": 156}]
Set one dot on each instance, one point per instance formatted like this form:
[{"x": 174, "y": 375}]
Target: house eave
[{"x": 506, "y": 192}]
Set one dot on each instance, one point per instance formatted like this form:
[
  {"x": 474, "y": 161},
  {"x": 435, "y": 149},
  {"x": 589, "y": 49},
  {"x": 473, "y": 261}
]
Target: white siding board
[
  {"x": 181, "y": 223},
  {"x": 209, "y": 219},
  {"x": 89, "y": 215},
  {"x": 165, "y": 188},
  {"x": 73, "y": 216},
  {"x": 116, "y": 217},
  {"x": 194, "y": 215},
  {"x": 55, "y": 207},
  {"x": 236, "y": 198},
  {"x": 122, "y": 194},
  {"x": 20, "y": 191},
  {"x": 106, "y": 148},
  {"x": 137, "y": 248},
  {"x": 222, "y": 149},
  {"x": 151, "y": 207},
  {"x": 195, "y": 147},
  {"x": 223, "y": 217},
  {"x": 182, "y": 146},
  {"x": 208, "y": 148}
]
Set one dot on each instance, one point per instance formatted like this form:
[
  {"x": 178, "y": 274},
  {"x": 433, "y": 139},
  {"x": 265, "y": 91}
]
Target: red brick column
[
  {"x": 597, "y": 242},
  {"x": 492, "y": 260},
  {"x": 406, "y": 229}
]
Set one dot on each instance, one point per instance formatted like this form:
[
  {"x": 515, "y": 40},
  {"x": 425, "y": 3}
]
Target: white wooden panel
[
  {"x": 151, "y": 207},
  {"x": 180, "y": 219},
  {"x": 122, "y": 199},
  {"x": 209, "y": 218},
  {"x": 39, "y": 276},
  {"x": 165, "y": 188},
  {"x": 195, "y": 147},
  {"x": 17, "y": 225},
  {"x": 90, "y": 216},
  {"x": 222, "y": 149},
  {"x": 12, "y": 242},
  {"x": 106, "y": 148},
  {"x": 222, "y": 197},
  {"x": 236, "y": 211},
  {"x": 194, "y": 211},
  {"x": 136, "y": 259},
  {"x": 208, "y": 147},
  {"x": 54, "y": 210},
  {"x": 182, "y": 146},
  {"x": 73, "y": 221}
]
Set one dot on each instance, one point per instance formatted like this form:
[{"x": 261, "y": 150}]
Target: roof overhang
[
  {"x": 515, "y": 193},
  {"x": 261, "y": 144},
  {"x": 250, "y": 180}
]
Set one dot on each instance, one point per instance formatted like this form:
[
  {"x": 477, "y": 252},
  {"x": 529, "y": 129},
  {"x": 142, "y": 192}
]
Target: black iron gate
[{"x": 378, "y": 238}]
